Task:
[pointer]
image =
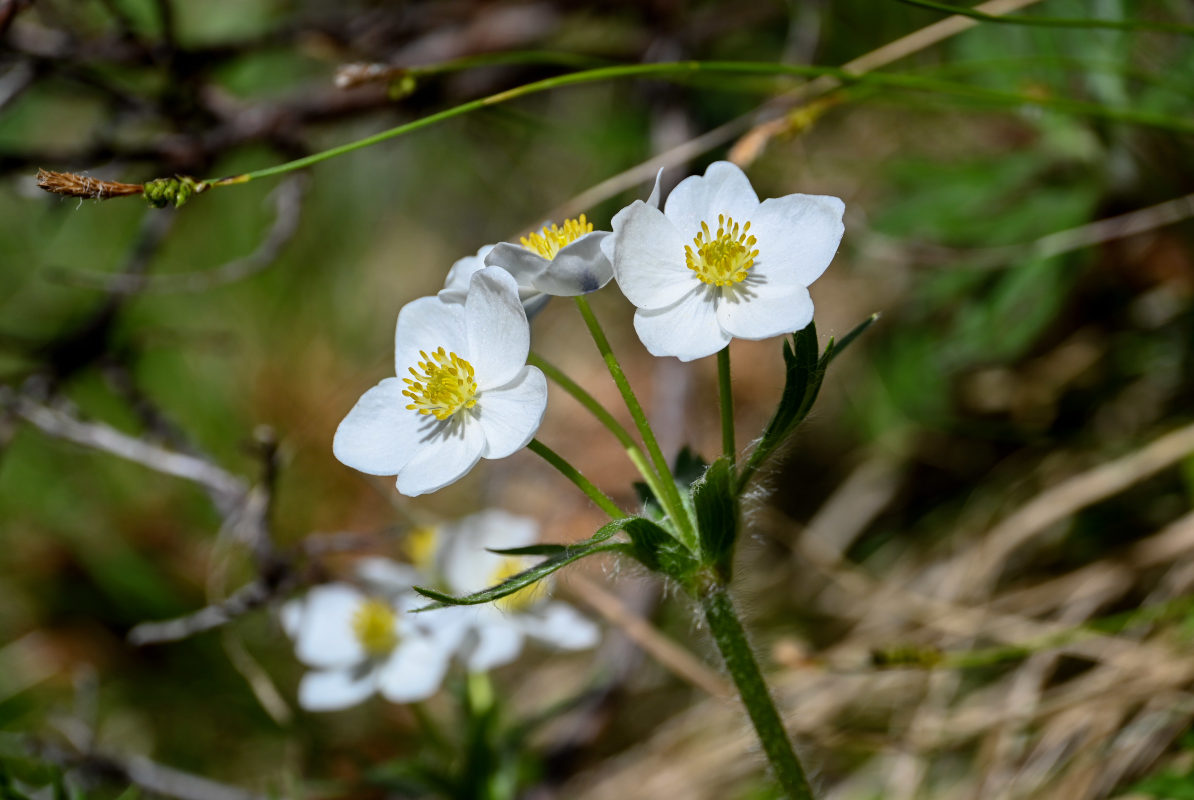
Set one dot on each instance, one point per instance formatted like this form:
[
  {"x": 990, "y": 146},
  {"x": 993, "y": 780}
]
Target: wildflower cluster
[
  {"x": 711, "y": 264},
  {"x": 364, "y": 637}
]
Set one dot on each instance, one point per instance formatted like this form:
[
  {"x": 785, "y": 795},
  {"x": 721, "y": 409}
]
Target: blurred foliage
[{"x": 993, "y": 354}]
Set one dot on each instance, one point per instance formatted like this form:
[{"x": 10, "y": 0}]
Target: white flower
[
  {"x": 358, "y": 644},
  {"x": 564, "y": 260},
  {"x": 498, "y": 630},
  {"x": 456, "y": 285},
  {"x": 717, "y": 264},
  {"x": 471, "y": 394}
]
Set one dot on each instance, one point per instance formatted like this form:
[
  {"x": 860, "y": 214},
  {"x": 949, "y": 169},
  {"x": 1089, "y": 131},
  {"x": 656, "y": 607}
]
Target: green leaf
[
  {"x": 558, "y": 558},
  {"x": 834, "y": 349},
  {"x": 805, "y": 373},
  {"x": 716, "y": 503},
  {"x": 689, "y": 466},
  {"x": 530, "y": 550},
  {"x": 660, "y": 551}
]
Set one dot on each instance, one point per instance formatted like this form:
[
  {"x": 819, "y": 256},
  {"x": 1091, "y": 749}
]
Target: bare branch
[
  {"x": 143, "y": 773},
  {"x": 248, "y": 598},
  {"x": 105, "y": 438}
]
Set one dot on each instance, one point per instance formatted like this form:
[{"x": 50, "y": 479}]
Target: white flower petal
[
  {"x": 499, "y": 337},
  {"x": 380, "y": 435},
  {"x": 336, "y": 689},
  {"x": 510, "y": 415},
  {"x": 649, "y": 257},
  {"x": 653, "y": 198},
  {"x": 427, "y": 324},
  {"x": 468, "y": 566},
  {"x": 456, "y": 284},
  {"x": 724, "y": 189},
  {"x": 520, "y": 262},
  {"x": 562, "y": 626},
  {"x": 498, "y": 641},
  {"x": 447, "y": 452},
  {"x": 687, "y": 329},
  {"x": 413, "y": 671},
  {"x": 765, "y": 311},
  {"x": 291, "y": 616},
  {"x": 324, "y": 636},
  {"x": 797, "y": 236},
  {"x": 446, "y": 627},
  {"x": 386, "y": 576},
  {"x": 579, "y": 268}
]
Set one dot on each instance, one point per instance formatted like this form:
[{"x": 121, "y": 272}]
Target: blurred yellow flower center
[
  {"x": 420, "y": 547},
  {"x": 443, "y": 384},
  {"x": 549, "y": 241},
  {"x": 722, "y": 258},
  {"x": 523, "y": 598},
  {"x": 374, "y": 626}
]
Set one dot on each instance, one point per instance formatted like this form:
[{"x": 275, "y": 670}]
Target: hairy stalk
[
  {"x": 603, "y": 501},
  {"x": 740, "y": 663},
  {"x": 669, "y": 496},
  {"x": 725, "y": 394}
]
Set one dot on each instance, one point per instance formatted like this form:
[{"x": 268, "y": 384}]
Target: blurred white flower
[
  {"x": 717, "y": 264},
  {"x": 564, "y": 260},
  {"x": 471, "y": 394},
  {"x": 456, "y": 285},
  {"x": 497, "y": 630},
  {"x": 358, "y": 643}
]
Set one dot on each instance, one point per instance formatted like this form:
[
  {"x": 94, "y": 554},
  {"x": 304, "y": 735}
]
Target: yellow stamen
[
  {"x": 724, "y": 258},
  {"x": 523, "y": 598},
  {"x": 443, "y": 384},
  {"x": 549, "y": 241},
  {"x": 374, "y": 624},
  {"x": 420, "y": 548}
]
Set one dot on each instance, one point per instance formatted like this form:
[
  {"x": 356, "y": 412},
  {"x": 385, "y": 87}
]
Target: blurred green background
[{"x": 1020, "y": 344}]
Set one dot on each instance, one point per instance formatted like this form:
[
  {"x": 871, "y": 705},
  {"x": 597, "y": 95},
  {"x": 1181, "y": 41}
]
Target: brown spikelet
[
  {"x": 350, "y": 76},
  {"x": 72, "y": 185}
]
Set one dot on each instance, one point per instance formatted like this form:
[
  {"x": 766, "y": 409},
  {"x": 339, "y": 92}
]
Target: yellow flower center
[
  {"x": 374, "y": 624},
  {"x": 420, "y": 547},
  {"x": 443, "y": 384},
  {"x": 523, "y": 598},
  {"x": 549, "y": 241},
  {"x": 722, "y": 259}
]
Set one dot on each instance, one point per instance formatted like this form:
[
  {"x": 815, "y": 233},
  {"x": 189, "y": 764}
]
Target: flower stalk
[
  {"x": 667, "y": 494},
  {"x": 725, "y": 394},
  {"x": 744, "y": 670},
  {"x": 600, "y": 498}
]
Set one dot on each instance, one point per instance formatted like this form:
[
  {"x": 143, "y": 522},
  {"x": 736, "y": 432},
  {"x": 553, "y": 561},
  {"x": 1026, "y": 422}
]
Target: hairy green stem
[
  {"x": 726, "y": 394},
  {"x": 740, "y": 662},
  {"x": 667, "y": 494},
  {"x": 603, "y": 501}
]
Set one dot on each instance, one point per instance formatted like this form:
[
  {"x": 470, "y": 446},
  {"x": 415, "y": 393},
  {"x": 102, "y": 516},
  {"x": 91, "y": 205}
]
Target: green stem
[
  {"x": 679, "y": 68},
  {"x": 584, "y": 398},
  {"x": 740, "y": 662},
  {"x": 726, "y": 395},
  {"x": 669, "y": 496},
  {"x": 603, "y": 501},
  {"x": 607, "y": 419}
]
